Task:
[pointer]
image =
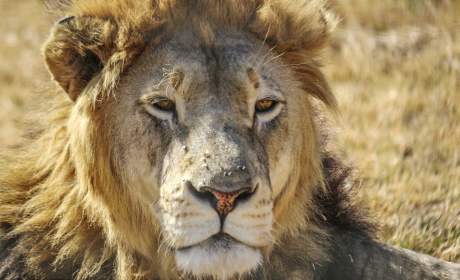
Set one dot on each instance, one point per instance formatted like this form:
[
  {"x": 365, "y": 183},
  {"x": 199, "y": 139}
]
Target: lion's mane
[{"x": 57, "y": 218}]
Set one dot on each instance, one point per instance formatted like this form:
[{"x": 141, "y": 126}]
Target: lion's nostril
[
  {"x": 244, "y": 196},
  {"x": 203, "y": 194}
]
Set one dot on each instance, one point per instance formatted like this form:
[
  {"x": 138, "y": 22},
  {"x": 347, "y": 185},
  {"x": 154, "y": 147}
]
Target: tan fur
[{"x": 98, "y": 193}]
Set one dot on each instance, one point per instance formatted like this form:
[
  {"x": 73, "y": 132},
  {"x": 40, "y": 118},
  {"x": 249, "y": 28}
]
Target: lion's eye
[
  {"x": 264, "y": 105},
  {"x": 164, "y": 104}
]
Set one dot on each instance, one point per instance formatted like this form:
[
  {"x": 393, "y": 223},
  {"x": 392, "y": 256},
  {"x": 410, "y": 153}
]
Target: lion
[{"x": 188, "y": 140}]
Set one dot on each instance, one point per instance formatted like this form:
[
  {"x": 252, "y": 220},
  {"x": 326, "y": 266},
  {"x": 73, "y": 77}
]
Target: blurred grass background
[{"x": 394, "y": 66}]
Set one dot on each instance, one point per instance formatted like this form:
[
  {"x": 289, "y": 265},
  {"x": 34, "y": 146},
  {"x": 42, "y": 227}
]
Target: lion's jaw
[{"x": 219, "y": 257}]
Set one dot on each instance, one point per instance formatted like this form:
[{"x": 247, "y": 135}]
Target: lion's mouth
[{"x": 219, "y": 241}]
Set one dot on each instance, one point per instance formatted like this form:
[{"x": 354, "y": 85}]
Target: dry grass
[
  {"x": 22, "y": 29},
  {"x": 394, "y": 66}
]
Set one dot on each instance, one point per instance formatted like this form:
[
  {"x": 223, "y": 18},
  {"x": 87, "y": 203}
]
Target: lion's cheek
[
  {"x": 281, "y": 170},
  {"x": 143, "y": 179}
]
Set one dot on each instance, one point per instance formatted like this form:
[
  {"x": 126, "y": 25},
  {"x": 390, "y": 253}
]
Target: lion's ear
[{"x": 77, "y": 50}]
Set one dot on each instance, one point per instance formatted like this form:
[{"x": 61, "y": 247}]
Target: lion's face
[{"x": 203, "y": 136}]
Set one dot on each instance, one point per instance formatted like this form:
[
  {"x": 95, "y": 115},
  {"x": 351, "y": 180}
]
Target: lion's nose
[
  {"x": 223, "y": 202},
  {"x": 226, "y": 201}
]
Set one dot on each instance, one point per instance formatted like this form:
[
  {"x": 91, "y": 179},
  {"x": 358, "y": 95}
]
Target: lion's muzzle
[{"x": 216, "y": 203}]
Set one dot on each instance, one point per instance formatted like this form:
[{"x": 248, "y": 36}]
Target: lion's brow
[
  {"x": 170, "y": 79},
  {"x": 253, "y": 77}
]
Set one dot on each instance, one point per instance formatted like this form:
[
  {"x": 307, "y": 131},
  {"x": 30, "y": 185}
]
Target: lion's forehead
[{"x": 224, "y": 62}]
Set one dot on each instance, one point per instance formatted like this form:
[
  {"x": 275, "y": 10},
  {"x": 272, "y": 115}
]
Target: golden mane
[{"x": 51, "y": 206}]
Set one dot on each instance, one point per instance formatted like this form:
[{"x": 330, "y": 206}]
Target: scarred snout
[{"x": 222, "y": 191}]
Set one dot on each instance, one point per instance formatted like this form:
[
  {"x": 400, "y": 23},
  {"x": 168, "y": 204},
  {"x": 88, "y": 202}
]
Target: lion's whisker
[
  {"x": 264, "y": 57},
  {"x": 279, "y": 224},
  {"x": 165, "y": 79},
  {"x": 286, "y": 65},
  {"x": 280, "y": 55},
  {"x": 162, "y": 242},
  {"x": 265, "y": 39}
]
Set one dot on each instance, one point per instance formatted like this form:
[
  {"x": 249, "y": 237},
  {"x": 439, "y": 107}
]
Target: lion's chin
[{"x": 220, "y": 257}]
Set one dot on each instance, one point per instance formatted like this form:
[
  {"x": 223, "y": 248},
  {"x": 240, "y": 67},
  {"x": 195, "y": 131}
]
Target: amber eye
[
  {"x": 165, "y": 104},
  {"x": 264, "y": 105}
]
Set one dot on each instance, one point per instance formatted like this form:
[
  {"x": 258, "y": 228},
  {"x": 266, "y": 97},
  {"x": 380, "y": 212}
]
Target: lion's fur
[{"x": 56, "y": 219}]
